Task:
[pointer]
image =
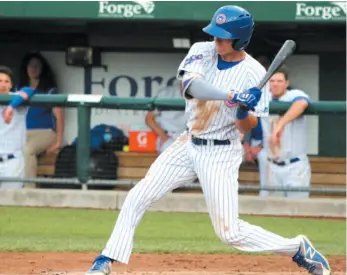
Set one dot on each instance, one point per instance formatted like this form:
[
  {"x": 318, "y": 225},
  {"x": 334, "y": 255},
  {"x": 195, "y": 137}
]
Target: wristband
[
  {"x": 240, "y": 114},
  {"x": 16, "y": 101}
]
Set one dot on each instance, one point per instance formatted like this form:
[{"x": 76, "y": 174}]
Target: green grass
[{"x": 39, "y": 229}]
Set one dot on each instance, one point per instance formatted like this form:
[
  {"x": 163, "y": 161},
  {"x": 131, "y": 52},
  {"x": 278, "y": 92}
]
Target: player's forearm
[
  {"x": 295, "y": 110},
  {"x": 246, "y": 125},
  {"x": 20, "y": 97},
  {"x": 151, "y": 123},
  {"x": 245, "y": 121},
  {"x": 60, "y": 124}
]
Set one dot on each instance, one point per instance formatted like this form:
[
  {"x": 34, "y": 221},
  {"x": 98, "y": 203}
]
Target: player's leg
[
  {"x": 218, "y": 169},
  {"x": 14, "y": 168},
  {"x": 298, "y": 175},
  {"x": 262, "y": 165},
  {"x": 276, "y": 175},
  {"x": 2, "y": 172},
  {"x": 161, "y": 147},
  {"x": 170, "y": 170},
  {"x": 37, "y": 142}
]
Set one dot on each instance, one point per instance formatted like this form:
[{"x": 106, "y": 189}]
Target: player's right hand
[
  {"x": 8, "y": 115},
  {"x": 248, "y": 99}
]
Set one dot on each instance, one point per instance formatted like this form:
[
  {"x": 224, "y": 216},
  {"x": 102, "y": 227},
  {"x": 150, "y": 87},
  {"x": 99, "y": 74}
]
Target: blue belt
[
  {"x": 283, "y": 163},
  {"x": 10, "y": 156},
  {"x": 200, "y": 141}
]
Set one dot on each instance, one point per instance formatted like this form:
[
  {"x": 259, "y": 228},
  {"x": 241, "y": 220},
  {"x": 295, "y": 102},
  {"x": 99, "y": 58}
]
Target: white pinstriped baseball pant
[{"x": 217, "y": 167}]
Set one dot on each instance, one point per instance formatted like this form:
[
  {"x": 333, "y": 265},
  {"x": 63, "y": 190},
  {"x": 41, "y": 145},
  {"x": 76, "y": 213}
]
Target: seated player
[{"x": 168, "y": 125}]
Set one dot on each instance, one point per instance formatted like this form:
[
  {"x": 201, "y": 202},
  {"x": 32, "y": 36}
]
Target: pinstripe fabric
[
  {"x": 217, "y": 167},
  {"x": 202, "y": 59},
  {"x": 170, "y": 170}
]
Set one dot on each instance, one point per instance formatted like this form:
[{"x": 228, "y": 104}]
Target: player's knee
[
  {"x": 229, "y": 234},
  {"x": 29, "y": 150}
]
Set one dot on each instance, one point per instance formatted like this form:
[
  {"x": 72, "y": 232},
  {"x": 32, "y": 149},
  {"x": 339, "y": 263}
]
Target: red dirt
[{"x": 62, "y": 263}]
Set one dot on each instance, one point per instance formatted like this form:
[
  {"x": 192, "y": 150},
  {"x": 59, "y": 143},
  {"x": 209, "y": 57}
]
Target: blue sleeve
[
  {"x": 28, "y": 90},
  {"x": 257, "y": 132},
  {"x": 18, "y": 99}
]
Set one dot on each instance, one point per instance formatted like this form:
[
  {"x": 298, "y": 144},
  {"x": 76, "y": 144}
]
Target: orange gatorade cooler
[{"x": 142, "y": 139}]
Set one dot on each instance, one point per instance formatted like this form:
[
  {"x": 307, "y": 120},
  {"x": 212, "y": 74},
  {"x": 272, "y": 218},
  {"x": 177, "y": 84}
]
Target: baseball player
[
  {"x": 254, "y": 152},
  {"x": 253, "y": 142},
  {"x": 218, "y": 80},
  {"x": 12, "y": 131},
  {"x": 285, "y": 139},
  {"x": 168, "y": 125}
]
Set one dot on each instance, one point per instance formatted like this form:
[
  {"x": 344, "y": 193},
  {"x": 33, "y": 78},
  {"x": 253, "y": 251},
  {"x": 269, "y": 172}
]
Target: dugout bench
[{"x": 326, "y": 171}]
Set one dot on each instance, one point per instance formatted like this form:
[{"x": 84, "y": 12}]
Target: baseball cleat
[
  {"x": 101, "y": 266},
  {"x": 312, "y": 260}
]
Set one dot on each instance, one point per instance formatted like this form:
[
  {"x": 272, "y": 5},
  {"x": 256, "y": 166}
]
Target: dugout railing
[{"x": 85, "y": 103}]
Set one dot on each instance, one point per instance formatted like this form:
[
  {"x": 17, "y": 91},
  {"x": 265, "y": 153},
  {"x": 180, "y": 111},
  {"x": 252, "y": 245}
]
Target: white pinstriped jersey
[
  {"x": 216, "y": 119},
  {"x": 13, "y": 135},
  {"x": 294, "y": 138}
]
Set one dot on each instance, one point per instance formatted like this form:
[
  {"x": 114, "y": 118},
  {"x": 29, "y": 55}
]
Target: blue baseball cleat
[
  {"x": 312, "y": 260},
  {"x": 101, "y": 266}
]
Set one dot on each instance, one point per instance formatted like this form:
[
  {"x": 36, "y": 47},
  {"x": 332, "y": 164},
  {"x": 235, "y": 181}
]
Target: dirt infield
[{"x": 14, "y": 263}]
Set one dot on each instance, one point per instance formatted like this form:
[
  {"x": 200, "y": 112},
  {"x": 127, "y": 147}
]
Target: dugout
[{"x": 56, "y": 26}]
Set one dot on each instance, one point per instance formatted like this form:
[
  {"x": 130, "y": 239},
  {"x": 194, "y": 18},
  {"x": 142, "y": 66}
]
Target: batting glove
[{"x": 248, "y": 99}]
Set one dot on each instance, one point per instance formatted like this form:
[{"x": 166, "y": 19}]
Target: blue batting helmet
[{"x": 232, "y": 22}]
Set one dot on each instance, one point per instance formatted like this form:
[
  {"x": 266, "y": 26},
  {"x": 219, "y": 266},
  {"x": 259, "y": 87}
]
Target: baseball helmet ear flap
[{"x": 239, "y": 45}]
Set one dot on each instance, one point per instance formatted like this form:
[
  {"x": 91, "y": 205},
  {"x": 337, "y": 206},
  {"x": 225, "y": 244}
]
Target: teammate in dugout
[
  {"x": 217, "y": 77},
  {"x": 168, "y": 125},
  {"x": 12, "y": 131},
  {"x": 285, "y": 139}
]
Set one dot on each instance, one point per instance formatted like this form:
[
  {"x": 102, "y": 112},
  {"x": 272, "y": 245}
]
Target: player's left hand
[
  {"x": 248, "y": 99},
  {"x": 8, "y": 114}
]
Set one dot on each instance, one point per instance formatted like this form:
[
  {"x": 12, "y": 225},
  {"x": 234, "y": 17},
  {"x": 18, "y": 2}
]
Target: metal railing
[{"x": 84, "y": 104}]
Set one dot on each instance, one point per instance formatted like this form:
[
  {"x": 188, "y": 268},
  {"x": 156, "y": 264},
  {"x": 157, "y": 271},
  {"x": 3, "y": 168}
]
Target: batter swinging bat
[{"x": 286, "y": 51}]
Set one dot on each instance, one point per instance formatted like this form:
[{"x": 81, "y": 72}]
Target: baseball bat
[{"x": 286, "y": 50}]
